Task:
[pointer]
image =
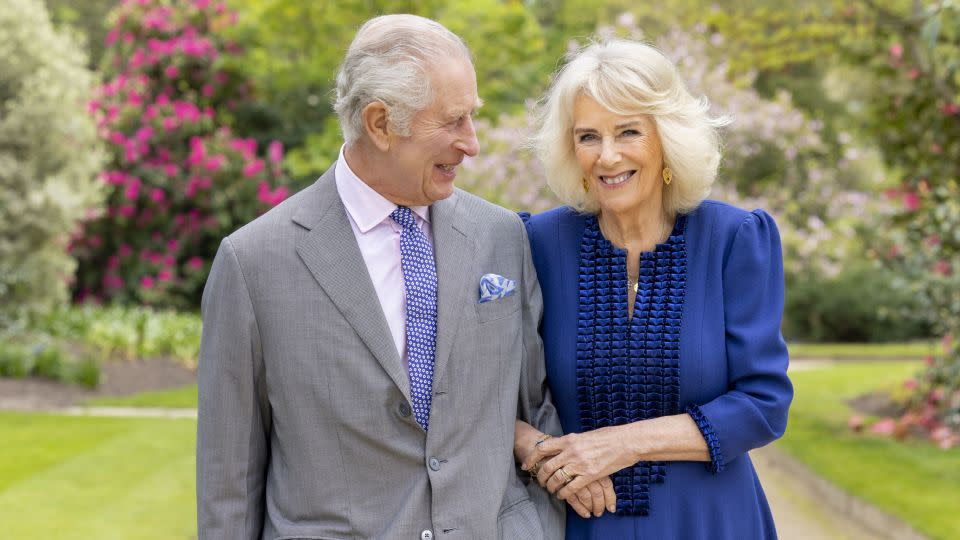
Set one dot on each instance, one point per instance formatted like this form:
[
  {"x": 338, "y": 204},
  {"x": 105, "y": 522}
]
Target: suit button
[
  {"x": 435, "y": 465},
  {"x": 404, "y": 410},
  {"x": 426, "y": 535}
]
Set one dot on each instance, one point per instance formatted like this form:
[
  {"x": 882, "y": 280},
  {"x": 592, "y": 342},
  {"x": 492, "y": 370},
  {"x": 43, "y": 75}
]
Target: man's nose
[{"x": 468, "y": 143}]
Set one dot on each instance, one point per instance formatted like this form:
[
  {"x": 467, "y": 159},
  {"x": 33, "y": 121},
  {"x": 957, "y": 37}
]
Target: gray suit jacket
[{"x": 304, "y": 427}]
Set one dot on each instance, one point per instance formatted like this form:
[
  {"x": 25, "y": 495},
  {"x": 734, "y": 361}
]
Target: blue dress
[{"x": 705, "y": 339}]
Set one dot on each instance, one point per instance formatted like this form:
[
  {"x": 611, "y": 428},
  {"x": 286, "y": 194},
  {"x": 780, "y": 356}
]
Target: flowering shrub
[
  {"x": 49, "y": 158},
  {"x": 913, "y": 112},
  {"x": 179, "y": 180}
]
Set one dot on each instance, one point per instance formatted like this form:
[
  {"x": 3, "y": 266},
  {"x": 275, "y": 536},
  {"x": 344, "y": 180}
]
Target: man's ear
[{"x": 376, "y": 124}]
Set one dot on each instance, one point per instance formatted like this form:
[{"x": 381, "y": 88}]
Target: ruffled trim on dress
[
  {"x": 717, "y": 463},
  {"x": 629, "y": 369}
]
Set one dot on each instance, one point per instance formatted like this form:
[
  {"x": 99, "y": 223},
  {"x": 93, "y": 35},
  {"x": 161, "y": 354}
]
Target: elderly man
[{"x": 369, "y": 343}]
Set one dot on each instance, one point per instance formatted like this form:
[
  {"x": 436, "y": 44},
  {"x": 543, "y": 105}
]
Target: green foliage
[
  {"x": 851, "y": 306},
  {"x": 88, "y": 19},
  {"x": 127, "y": 333},
  {"x": 18, "y": 360},
  {"x": 49, "y": 158},
  {"x": 15, "y": 361},
  {"x": 293, "y": 49}
]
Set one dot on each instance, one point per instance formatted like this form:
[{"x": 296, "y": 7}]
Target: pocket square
[{"x": 495, "y": 287}]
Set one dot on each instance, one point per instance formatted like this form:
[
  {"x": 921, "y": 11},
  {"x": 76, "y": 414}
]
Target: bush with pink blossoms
[
  {"x": 179, "y": 180},
  {"x": 912, "y": 54}
]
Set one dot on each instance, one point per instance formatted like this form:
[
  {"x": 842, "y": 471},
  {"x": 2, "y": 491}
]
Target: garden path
[{"x": 798, "y": 511}]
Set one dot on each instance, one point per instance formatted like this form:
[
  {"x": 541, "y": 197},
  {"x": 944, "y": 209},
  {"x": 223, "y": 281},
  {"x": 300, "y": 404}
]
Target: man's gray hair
[{"x": 390, "y": 61}]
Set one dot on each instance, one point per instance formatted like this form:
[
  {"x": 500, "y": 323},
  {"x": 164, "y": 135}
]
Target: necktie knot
[{"x": 404, "y": 217}]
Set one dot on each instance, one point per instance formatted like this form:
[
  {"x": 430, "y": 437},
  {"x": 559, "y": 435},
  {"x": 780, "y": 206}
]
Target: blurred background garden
[{"x": 135, "y": 135}]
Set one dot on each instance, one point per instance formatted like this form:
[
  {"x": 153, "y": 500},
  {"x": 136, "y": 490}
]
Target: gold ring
[
  {"x": 566, "y": 477},
  {"x": 535, "y": 470}
]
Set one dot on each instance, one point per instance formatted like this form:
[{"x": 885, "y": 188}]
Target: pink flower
[
  {"x": 253, "y": 168},
  {"x": 146, "y": 282},
  {"x": 896, "y": 51},
  {"x": 169, "y": 260},
  {"x": 113, "y": 262},
  {"x": 911, "y": 201},
  {"x": 247, "y": 147},
  {"x": 133, "y": 189},
  {"x": 910, "y": 384},
  {"x": 275, "y": 151},
  {"x": 172, "y": 245},
  {"x": 201, "y": 4},
  {"x": 855, "y": 423},
  {"x": 207, "y": 90},
  {"x": 929, "y": 361},
  {"x": 913, "y": 74},
  {"x": 951, "y": 109},
  {"x": 164, "y": 275},
  {"x": 942, "y": 268},
  {"x": 171, "y": 72},
  {"x": 214, "y": 163},
  {"x": 144, "y": 134},
  {"x": 127, "y": 211},
  {"x": 112, "y": 37},
  {"x": 884, "y": 427},
  {"x": 157, "y": 195},
  {"x": 125, "y": 250},
  {"x": 195, "y": 263}
]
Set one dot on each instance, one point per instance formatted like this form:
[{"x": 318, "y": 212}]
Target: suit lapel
[
  {"x": 331, "y": 253},
  {"x": 454, "y": 252}
]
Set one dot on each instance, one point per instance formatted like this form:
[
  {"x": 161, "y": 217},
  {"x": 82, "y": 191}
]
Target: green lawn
[
  {"x": 915, "y": 481},
  {"x": 865, "y": 351},
  {"x": 104, "y": 478},
  {"x": 177, "y": 398}
]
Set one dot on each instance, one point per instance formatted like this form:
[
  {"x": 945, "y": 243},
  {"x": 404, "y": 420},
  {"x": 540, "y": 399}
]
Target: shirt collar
[{"x": 365, "y": 206}]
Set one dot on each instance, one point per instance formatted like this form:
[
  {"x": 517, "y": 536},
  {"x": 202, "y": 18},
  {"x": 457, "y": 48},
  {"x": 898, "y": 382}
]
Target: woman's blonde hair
[{"x": 630, "y": 78}]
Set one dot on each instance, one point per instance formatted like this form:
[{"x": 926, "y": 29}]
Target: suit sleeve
[
  {"x": 753, "y": 412},
  {"x": 233, "y": 413},
  {"x": 535, "y": 405}
]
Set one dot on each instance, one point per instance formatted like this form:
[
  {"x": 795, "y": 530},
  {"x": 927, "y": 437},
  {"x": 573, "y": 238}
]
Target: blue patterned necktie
[{"x": 420, "y": 281}]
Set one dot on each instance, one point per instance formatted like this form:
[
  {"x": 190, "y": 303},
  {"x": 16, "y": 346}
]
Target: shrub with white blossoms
[{"x": 49, "y": 158}]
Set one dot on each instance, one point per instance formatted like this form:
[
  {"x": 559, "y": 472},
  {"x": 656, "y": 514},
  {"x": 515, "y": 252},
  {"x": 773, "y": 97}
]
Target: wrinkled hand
[
  {"x": 586, "y": 458},
  {"x": 594, "y": 499}
]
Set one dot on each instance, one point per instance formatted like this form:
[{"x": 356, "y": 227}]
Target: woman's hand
[
  {"x": 575, "y": 461},
  {"x": 591, "y": 499}
]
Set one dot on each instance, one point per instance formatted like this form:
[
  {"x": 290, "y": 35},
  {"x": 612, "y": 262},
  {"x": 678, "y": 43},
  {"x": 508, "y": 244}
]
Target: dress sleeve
[{"x": 753, "y": 412}]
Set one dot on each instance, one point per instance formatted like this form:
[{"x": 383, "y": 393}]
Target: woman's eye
[
  {"x": 586, "y": 137},
  {"x": 630, "y": 133}
]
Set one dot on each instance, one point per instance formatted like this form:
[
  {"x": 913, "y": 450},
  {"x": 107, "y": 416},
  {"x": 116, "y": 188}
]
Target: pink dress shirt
[{"x": 379, "y": 239}]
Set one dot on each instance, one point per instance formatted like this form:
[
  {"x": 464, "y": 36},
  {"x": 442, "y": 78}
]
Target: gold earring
[
  {"x": 583, "y": 181},
  {"x": 667, "y": 175}
]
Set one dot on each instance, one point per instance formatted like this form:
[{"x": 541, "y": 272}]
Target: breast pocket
[{"x": 498, "y": 309}]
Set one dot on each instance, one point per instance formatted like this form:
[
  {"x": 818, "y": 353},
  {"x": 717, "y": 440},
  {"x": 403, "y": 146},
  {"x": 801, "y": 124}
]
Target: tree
[{"x": 49, "y": 158}]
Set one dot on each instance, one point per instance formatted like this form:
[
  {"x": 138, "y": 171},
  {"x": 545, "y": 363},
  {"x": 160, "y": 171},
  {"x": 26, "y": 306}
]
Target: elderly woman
[{"x": 662, "y": 311}]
